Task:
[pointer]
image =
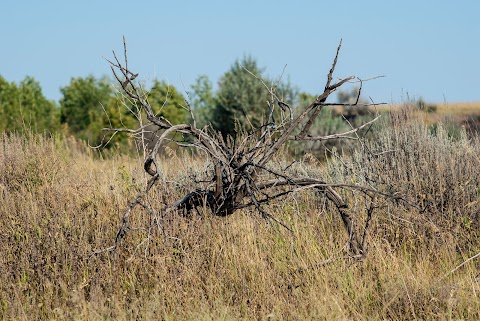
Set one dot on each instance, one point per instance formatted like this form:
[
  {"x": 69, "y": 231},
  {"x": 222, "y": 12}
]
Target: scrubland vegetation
[
  {"x": 61, "y": 202},
  {"x": 217, "y": 223}
]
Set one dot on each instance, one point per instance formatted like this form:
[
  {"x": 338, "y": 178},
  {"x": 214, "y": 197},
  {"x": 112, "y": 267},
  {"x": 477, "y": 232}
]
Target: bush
[
  {"x": 423, "y": 106},
  {"x": 436, "y": 170}
]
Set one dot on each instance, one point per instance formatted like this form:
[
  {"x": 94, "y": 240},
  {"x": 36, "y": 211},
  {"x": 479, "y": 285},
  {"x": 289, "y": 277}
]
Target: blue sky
[{"x": 428, "y": 49}]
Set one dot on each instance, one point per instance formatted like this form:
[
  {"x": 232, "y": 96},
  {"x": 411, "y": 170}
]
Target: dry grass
[
  {"x": 59, "y": 203},
  {"x": 459, "y": 108},
  {"x": 465, "y": 108},
  {"x": 456, "y": 112}
]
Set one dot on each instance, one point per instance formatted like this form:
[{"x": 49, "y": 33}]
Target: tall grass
[
  {"x": 435, "y": 168},
  {"x": 60, "y": 203}
]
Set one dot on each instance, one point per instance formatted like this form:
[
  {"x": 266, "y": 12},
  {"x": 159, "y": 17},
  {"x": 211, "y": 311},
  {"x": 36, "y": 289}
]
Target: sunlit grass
[{"x": 60, "y": 202}]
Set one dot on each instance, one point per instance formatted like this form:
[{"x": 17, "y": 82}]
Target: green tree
[
  {"x": 242, "y": 99},
  {"x": 8, "y": 98},
  {"x": 88, "y": 105},
  {"x": 345, "y": 96},
  {"x": 45, "y": 113},
  {"x": 167, "y": 101},
  {"x": 81, "y": 106},
  {"x": 24, "y": 106},
  {"x": 202, "y": 100}
]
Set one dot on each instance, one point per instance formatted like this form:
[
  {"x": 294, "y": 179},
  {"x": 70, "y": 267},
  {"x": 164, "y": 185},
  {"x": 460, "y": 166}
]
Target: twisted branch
[{"x": 241, "y": 177}]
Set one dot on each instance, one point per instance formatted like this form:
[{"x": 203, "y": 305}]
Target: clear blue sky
[{"x": 424, "y": 48}]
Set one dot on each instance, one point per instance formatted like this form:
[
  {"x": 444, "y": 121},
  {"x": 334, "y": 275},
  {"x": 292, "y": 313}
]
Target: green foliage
[
  {"x": 346, "y": 96},
  {"x": 117, "y": 114},
  {"x": 25, "y": 107},
  {"x": 88, "y": 105},
  {"x": 81, "y": 106},
  {"x": 202, "y": 100},
  {"x": 242, "y": 99},
  {"x": 333, "y": 120},
  {"x": 423, "y": 106},
  {"x": 167, "y": 101},
  {"x": 327, "y": 122}
]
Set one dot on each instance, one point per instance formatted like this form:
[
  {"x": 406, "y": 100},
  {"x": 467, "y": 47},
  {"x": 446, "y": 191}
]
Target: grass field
[
  {"x": 60, "y": 203},
  {"x": 467, "y": 108},
  {"x": 455, "y": 111},
  {"x": 460, "y": 108}
]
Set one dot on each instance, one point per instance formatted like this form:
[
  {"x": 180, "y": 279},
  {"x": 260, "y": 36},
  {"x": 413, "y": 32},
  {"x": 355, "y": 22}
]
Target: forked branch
[{"x": 241, "y": 176}]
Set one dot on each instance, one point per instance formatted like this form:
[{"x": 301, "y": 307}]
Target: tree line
[{"x": 89, "y": 104}]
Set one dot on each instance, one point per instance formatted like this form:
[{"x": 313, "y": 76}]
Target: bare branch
[
  {"x": 239, "y": 174},
  {"x": 344, "y": 135}
]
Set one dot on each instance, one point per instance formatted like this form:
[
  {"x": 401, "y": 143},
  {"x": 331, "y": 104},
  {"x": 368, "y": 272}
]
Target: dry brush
[{"x": 241, "y": 172}]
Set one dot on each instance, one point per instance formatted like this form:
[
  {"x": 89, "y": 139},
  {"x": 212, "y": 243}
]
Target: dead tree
[{"x": 242, "y": 175}]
